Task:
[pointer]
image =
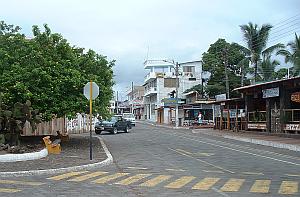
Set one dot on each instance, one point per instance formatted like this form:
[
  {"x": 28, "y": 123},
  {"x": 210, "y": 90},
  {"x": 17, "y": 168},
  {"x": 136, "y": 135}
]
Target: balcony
[
  {"x": 148, "y": 64},
  {"x": 150, "y": 91},
  {"x": 154, "y": 75}
]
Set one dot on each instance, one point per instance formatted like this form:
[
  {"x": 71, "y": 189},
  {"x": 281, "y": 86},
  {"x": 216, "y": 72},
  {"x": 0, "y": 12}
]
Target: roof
[
  {"x": 188, "y": 93},
  {"x": 227, "y": 100},
  {"x": 266, "y": 83}
]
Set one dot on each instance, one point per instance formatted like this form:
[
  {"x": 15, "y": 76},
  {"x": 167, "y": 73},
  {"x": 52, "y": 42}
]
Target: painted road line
[
  {"x": 206, "y": 183},
  {"x": 5, "y": 190},
  {"x": 21, "y": 182},
  {"x": 237, "y": 150},
  {"x": 293, "y": 175},
  {"x": 176, "y": 170},
  {"x": 213, "y": 171},
  {"x": 180, "y": 182},
  {"x": 288, "y": 187},
  {"x": 133, "y": 179},
  {"x": 66, "y": 175},
  {"x": 253, "y": 173},
  {"x": 87, "y": 176},
  {"x": 233, "y": 185},
  {"x": 137, "y": 168},
  {"x": 183, "y": 151},
  {"x": 109, "y": 178},
  {"x": 261, "y": 186},
  {"x": 202, "y": 161},
  {"x": 155, "y": 181}
]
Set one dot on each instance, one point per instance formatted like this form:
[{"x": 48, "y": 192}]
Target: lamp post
[{"x": 177, "y": 84}]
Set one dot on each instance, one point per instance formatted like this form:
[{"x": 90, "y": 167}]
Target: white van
[{"x": 129, "y": 117}]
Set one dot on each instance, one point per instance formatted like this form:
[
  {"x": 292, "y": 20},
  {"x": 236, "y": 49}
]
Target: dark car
[{"x": 113, "y": 125}]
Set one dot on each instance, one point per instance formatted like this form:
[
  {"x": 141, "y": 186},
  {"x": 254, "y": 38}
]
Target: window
[
  {"x": 189, "y": 69},
  {"x": 170, "y": 83}
]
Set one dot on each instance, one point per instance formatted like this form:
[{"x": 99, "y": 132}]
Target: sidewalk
[
  {"x": 256, "y": 138},
  {"x": 266, "y": 139},
  {"x": 74, "y": 153}
]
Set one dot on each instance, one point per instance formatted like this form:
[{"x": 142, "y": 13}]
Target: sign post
[{"x": 91, "y": 91}]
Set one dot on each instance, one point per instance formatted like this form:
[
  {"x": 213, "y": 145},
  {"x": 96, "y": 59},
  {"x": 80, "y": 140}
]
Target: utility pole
[
  {"x": 225, "y": 52},
  {"x": 117, "y": 103},
  {"x": 242, "y": 74},
  {"x": 131, "y": 97},
  {"x": 177, "y": 84}
]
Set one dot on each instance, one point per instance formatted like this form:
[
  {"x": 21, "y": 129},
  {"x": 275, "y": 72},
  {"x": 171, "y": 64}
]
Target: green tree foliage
[
  {"x": 50, "y": 72},
  {"x": 256, "y": 40},
  {"x": 267, "y": 68},
  {"x": 293, "y": 54},
  {"x": 213, "y": 62}
]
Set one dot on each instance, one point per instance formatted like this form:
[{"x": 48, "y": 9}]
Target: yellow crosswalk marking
[
  {"x": 66, "y": 175},
  {"x": 87, "y": 176},
  {"x": 206, "y": 183},
  {"x": 109, "y": 178},
  {"x": 5, "y": 190},
  {"x": 132, "y": 179},
  {"x": 261, "y": 186},
  {"x": 155, "y": 181},
  {"x": 288, "y": 187},
  {"x": 21, "y": 182},
  {"x": 233, "y": 185},
  {"x": 180, "y": 182}
]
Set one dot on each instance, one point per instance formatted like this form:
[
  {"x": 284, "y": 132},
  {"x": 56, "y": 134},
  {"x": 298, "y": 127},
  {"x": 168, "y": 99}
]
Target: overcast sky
[{"x": 124, "y": 30}]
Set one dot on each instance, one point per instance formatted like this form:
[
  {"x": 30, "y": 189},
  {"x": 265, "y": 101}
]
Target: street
[{"x": 157, "y": 161}]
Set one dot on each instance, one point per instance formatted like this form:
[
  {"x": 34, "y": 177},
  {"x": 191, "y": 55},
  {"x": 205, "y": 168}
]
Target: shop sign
[
  {"x": 292, "y": 127},
  {"x": 272, "y": 92},
  {"x": 257, "y": 126},
  {"x": 220, "y": 97},
  {"x": 232, "y": 113},
  {"x": 295, "y": 97}
]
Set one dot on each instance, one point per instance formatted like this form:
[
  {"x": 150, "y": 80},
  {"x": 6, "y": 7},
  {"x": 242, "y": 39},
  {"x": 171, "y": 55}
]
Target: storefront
[
  {"x": 273, "y": 106},
  {"x": 229, "y": 114}
]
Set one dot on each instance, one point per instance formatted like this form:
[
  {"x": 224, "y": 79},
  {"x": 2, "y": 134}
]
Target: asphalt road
[{"x": 156, "y": 161}]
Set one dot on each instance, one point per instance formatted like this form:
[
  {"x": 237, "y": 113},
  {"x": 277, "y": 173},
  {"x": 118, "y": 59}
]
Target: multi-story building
[
  {"x": 160, "y": 84},
  {"x": 135, "y": 97}
]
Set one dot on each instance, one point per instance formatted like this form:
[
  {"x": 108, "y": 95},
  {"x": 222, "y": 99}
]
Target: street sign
[
  {"x": 87, "y": 90},
  {"x": 91, "y": 91}
]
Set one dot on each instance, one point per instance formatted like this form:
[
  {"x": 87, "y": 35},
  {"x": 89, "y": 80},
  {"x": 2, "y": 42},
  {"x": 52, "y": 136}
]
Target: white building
[
  {"x": 160, "y": 82},
  {"x": 135, "y": 97}
]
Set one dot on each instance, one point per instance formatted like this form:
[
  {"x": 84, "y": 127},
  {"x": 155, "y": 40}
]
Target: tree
[
  {"x": 267, "y": 68},
  {"x": 213, "y": 62},
  {"x": 51, "y": 73},
  {"x": 281, "y": 73},
  {"x": 256, "y": 39},
  {"x": 292, "y": 56}
]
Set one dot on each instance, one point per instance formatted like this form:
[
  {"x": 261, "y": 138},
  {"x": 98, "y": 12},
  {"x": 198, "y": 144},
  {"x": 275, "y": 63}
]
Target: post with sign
[{"x": 91, "y": 91}]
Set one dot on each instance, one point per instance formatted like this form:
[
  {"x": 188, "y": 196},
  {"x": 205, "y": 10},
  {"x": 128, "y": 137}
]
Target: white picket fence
[{"x": 73, "y": 126}]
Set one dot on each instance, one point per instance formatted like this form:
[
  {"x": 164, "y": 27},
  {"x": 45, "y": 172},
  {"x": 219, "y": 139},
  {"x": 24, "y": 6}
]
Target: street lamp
[{"x": 177, "y": 84}]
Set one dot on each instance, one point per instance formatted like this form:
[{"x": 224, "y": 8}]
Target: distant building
[
  {"x": 135, "y": 98},
  {"x": 160, "y": 88}
]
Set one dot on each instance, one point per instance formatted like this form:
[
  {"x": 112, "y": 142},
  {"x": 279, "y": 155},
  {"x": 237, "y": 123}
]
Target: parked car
[
  {"x": 113, "y": 125},
  {"x": 129, "y": 117}
]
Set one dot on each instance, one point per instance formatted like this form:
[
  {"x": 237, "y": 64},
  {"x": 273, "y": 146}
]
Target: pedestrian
[{"x": 200, "y": 118}]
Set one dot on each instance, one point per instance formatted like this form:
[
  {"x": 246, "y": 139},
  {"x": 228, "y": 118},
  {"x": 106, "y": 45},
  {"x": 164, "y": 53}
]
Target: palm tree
[
  {"x": 292, "y": 56},
  {"x": 266, "y": 68},
  {"x": 256, "y": 39}
]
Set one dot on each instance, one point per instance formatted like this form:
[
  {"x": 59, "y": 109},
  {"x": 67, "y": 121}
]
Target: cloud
[{"x": 123, "y": 30}]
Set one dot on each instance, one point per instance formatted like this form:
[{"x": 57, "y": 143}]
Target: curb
[
  {"x": 23, "y": 157},
  {"x": 256, "y": 141},
  {"x": 265, "y": 143},
  {"x": 105, "y": 162},
  {"x": 164, "y": 126}
]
